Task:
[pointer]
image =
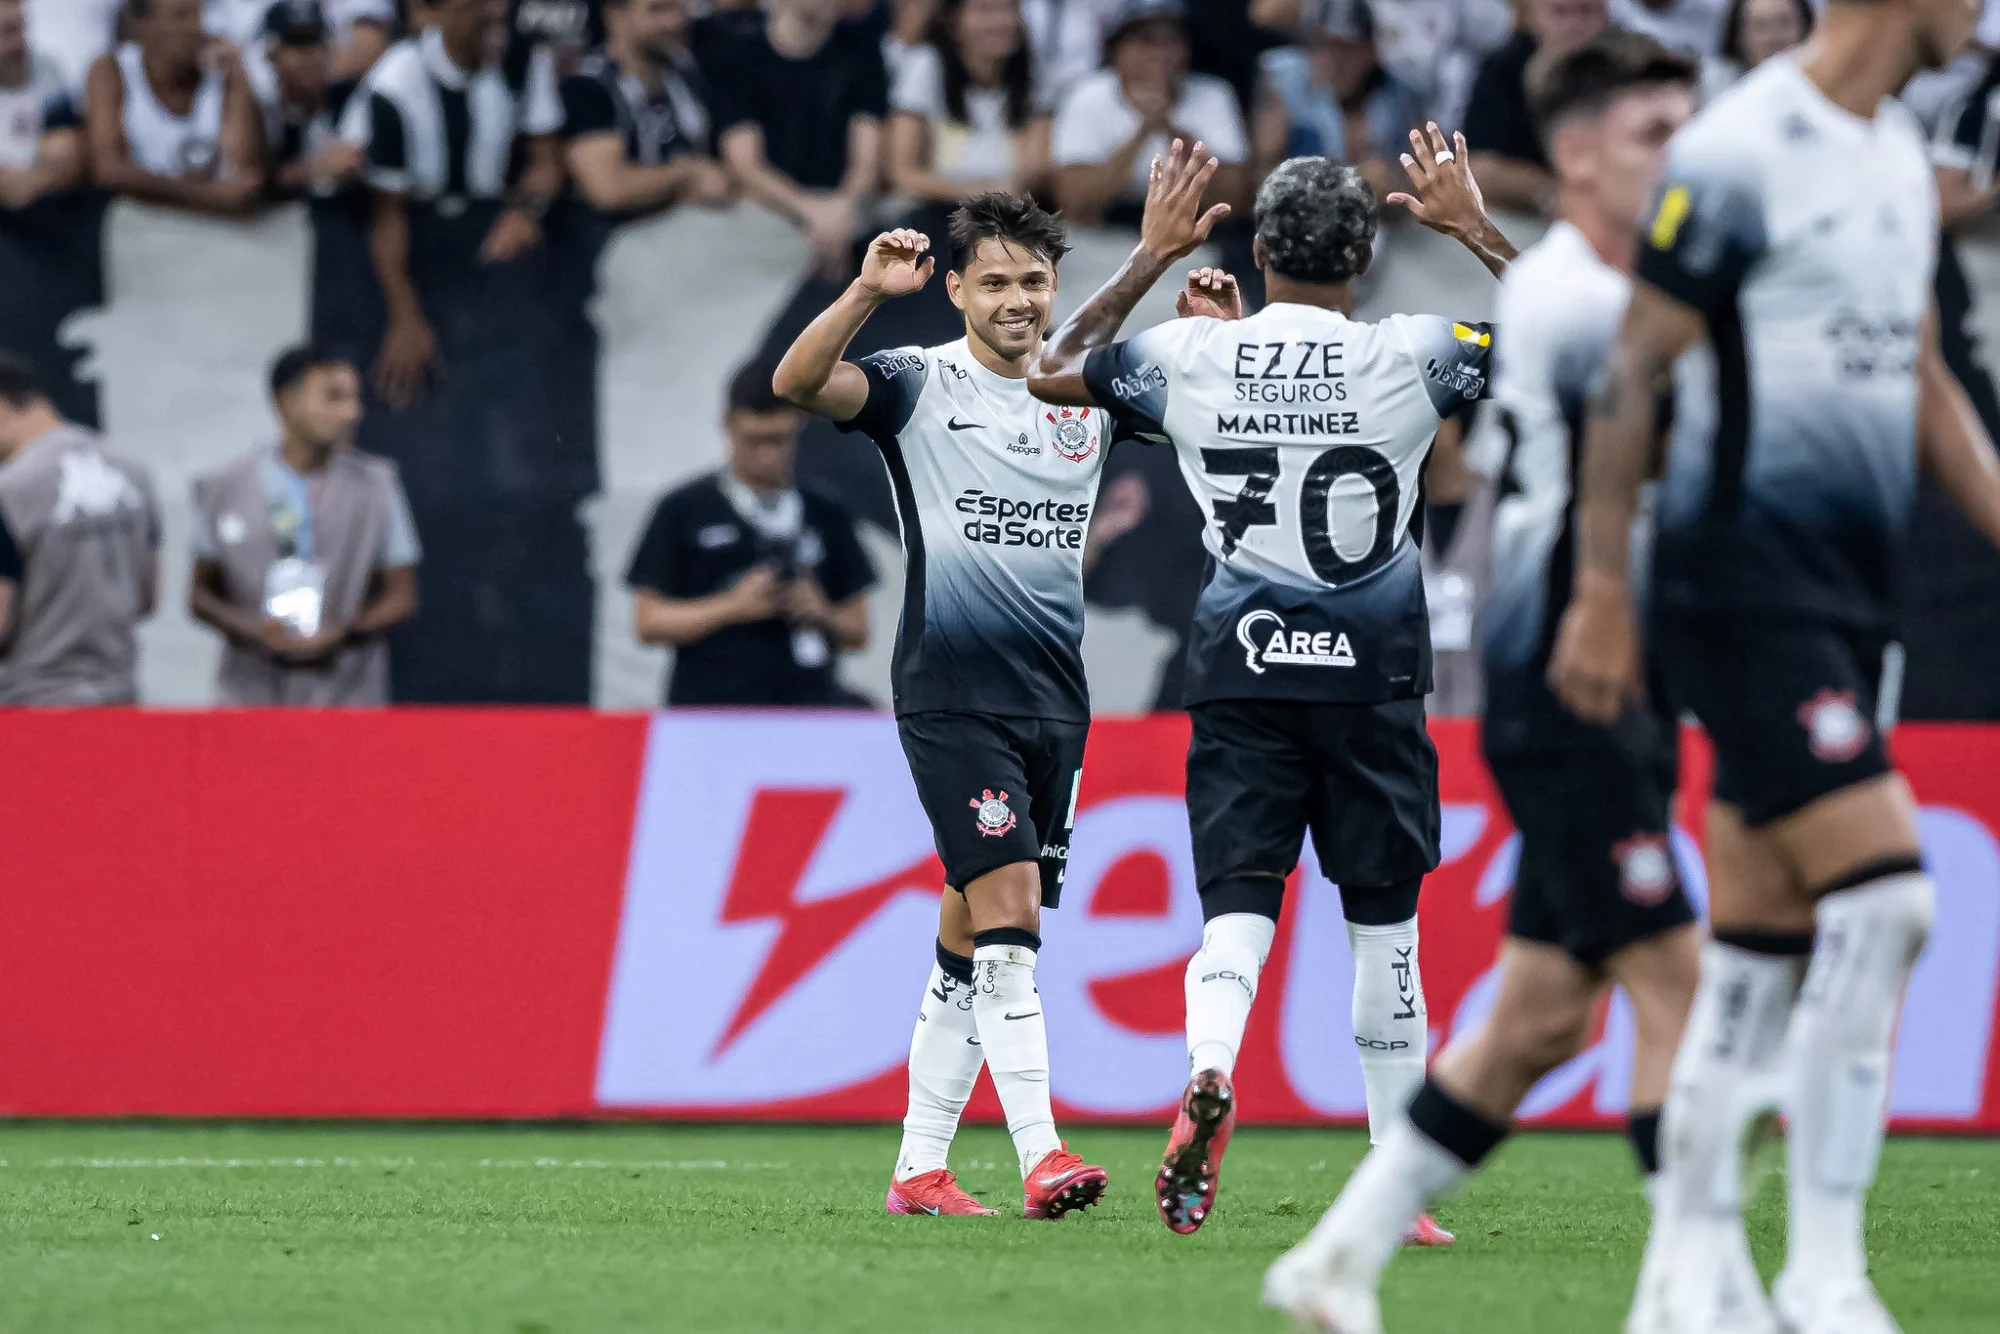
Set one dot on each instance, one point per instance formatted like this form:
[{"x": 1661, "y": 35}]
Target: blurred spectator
[
  {"x": 41, "y": 145},
  {"x": 1339, "y": 101},
  {"x": 1693, "y": 26},
  {"x": 306, "y": 154},
  {"x": 909, "y": 30},
  {"x": 73, "y": 34},
  {"x": 635, "y": 118},
  {"x": 439, "y": 125},
  {"x": 1067, "y": 38},
  {"x": 358, "y": 32},
  {"x": 756, "y": 584},
  {"x": 304, "y": 551},
  {"x": 1752, "y": 32},
  {"x": 565, "y": 29},
  {"x": 171, "y": 120},
  {"x": 1113, "y": 122},
  {"x": 79, "y": 559},
  {"x": 967, "y": 118},
  {"x": 799, "y": 118},
  {"x": 1500, "y": 130},
  {"x": 1431, "y": 46}
]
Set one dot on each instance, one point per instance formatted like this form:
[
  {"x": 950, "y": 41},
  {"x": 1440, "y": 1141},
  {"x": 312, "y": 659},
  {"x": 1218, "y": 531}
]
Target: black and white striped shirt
[{"x": 437, "y": 133}]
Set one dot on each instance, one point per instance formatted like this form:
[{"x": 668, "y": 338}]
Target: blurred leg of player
[{"x": 945, "y": 1057}]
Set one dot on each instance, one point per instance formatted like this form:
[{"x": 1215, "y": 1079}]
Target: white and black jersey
[
  {"x": 1561, "y": 306},
  {"x": 993, "y": 493},
  {"x": 1303, "y": 435}
]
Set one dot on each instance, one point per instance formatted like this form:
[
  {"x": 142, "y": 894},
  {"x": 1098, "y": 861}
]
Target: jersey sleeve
[
  {"x": 653, "y": 566},
  {"x": 895, "y": 382},
  {"x": 1456, "y": 359},
  {"x": 587, "y": 107},
  {"x": 10, "y": 555},
  {"x": 1131, "y": 380},
  {"x": 1962, "y": 130},
  {"x": 1706, "y": 224}
]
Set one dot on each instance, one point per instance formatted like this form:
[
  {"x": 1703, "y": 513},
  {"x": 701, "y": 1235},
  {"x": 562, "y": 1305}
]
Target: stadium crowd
[{"x": 441, "y": 146}]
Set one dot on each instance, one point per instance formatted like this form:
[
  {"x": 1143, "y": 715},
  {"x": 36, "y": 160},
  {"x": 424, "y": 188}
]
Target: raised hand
[
  {"x": 896, "y": 264},
  {"x": 1447, "y": 198},
  {"x": 1173, "y": 224},
  {"x": 1211, "y": 294}
]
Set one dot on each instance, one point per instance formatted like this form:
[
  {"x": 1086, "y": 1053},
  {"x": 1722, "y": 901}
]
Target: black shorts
[
  {"x": 1597, "y": 870},
  {"x": 1362, "y": 777},
  {"x": 1790, "y": 707},
  {"x": 997, "y": 790}
]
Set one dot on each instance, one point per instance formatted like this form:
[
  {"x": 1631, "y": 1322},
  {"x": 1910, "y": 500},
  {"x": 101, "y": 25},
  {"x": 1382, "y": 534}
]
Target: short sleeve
[
  {"x": 400, "y": 546},
  {"x": 653, "y": 566},
  {"x": 10, "y": 555},
  {"x": 871, "y": 79},
  {"x": 1963, "y": 128},
  {"x": 1131, "y": 380},
  {"x": 846, "y": 569},
  {"x": 204, "y": 543},
  {"x": 587, "y": 107},
  {"x": 541, "y": 104},
  {"x": 732, "y": 65},
  {"x": 919, "y": 83},
  {"x": 59, "y": 112},
  {"x": 1456, "y": 359},
  {"x": 1078, "y": 135},
  {"x": 1705, "y": 227},
  {"x": 387, "y": 162},
  {"x": 895, "y": 382},
  {"x": 1498, "y": 120}
]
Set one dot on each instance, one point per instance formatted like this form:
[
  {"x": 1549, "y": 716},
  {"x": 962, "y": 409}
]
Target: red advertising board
[{"x": 536, "y": 914}]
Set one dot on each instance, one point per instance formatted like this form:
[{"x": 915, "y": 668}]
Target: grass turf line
[{"x": 539, "y": 1231}]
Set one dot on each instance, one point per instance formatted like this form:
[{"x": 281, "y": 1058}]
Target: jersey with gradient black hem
[
  {"x": 1302, "y": 435},
  {"x": 1560, "y": 305},
  {"x": 993, "y": 493},
  {"x": 1806, "y": 237}
]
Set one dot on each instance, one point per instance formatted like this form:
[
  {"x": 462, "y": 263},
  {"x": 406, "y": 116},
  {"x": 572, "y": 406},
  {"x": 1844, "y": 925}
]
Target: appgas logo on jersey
[{"x": 1265, "y": 640}]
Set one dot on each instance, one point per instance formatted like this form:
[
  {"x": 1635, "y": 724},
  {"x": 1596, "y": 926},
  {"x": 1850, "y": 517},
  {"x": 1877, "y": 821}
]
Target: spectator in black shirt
[
  {"x": 635, "y": 117},
  {"x": 799, "y": 121},
  {"x": 756, "y": 584},
  {"x": 1500, "y": 130},
  {"x": 301, "y": 109}
]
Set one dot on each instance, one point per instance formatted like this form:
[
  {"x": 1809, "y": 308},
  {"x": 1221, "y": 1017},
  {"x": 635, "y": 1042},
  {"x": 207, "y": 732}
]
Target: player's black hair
[
  {"x": 1316, "y": 221},
  {"x": 19, "y": 385},
  {"x": 1732, "y": 28},
  {"x": 1016, "y": 71},
  {"x": 295, "y": 363},
  {"x": 750, "y": 390},
  {"x": 1000, "y": 216},
  {"x": 1585, "y": 81}
]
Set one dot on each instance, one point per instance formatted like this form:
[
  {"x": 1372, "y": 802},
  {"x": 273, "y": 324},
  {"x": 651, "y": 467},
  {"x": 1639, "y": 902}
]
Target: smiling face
[{"x": 1008, "y": 294}]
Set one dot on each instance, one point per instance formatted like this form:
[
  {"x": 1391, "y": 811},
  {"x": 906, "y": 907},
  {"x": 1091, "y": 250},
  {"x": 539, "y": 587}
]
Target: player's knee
[
  {"x": 1542, "y": 1038},
  {"x": 1009, "y": 897}
]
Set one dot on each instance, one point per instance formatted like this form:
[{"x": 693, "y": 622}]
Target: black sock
[
  {"x": 954, "y": 965},
  {"x": 1448, "y": 1123},
  {"x": 1642, "y": 1125},
  {"x": 1776, "y": 944},
  {"x": 1007, "y": 935}
]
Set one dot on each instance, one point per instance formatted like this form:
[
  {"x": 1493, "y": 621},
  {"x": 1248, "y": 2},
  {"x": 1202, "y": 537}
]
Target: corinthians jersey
[
  {"x": 993, "y": 494},
  {"x": 1806, "y": 237},
  {"x": 1303, "y": 436}
]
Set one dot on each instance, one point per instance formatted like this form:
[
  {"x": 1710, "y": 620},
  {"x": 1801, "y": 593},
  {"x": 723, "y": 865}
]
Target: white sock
[
  {"x": 1391, "y": 1024},
  {"x": 1399, "y": 1179},
  {"x": 945, "y": 1057},
  {"x": 1222, "y": 984},
  {"x": 1726, "y": 1072},
  {"x": 1008, "y": 1010},
  {"x": 1837, "y": 1093}
]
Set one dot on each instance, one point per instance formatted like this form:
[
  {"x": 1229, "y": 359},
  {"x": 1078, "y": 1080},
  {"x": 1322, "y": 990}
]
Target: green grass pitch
[{"x": 139, "y": 1228}]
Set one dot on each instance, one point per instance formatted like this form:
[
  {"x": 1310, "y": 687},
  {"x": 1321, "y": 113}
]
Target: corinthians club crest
[
  {"x": 1073, "y": 440},
  {"x": 1645, "y": 869},
  {"x": 996, "y": 817},
  {"x": 1836, "y": 731}
]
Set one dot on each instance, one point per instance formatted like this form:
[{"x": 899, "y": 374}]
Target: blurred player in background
[
  {"x": 1303, "y": 435},
  {"x": 1785, "y": 277},
  {"x": 993, "y": 493},
  {"x": 1597, "y": 898}
]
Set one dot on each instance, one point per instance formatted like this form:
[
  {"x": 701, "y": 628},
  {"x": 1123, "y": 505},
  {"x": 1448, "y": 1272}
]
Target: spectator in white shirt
[
  {"x": 1113, "y": 123},
  {"x": 1752, "y": 32},
  {"x": 965, "y": 118},
  {"x": 41, "y": 144},
  {"x": 1691, "y": 26}
]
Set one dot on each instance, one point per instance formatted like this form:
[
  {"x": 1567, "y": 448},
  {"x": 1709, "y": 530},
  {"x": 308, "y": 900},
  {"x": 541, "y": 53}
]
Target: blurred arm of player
[
  {"x": 1172, "y": 227},
  {"x": 1595, "y": 666},
  {"x": 1447, "y": 198},
  {"x": 1953, "y": 442},
  {"x": 812, "y": 375}
]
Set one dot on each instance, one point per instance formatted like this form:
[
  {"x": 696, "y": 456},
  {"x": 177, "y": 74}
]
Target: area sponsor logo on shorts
[
  {"x": 1836, "y": 729},
  {"x": 1265, "y": 640},
  {"x": 995, "y": 816},
  {"x": 1074, "y": 440},
  {"x": 1645, "y": 869}
]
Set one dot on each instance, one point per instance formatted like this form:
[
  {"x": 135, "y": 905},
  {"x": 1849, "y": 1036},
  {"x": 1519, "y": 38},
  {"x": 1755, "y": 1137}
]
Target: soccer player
[
  {"x": 1303, "y": 435},
  {"x": 1597, "y": 899},
  {"x": 993, "y": 492},
  {"x": 1785, "y": 275}
]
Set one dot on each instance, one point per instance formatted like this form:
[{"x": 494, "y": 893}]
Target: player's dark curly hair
[
  {"x": 1585, "y": 81},
  {"x": 1316, "y": 221},
  {"x": 1000, "y": 216}
]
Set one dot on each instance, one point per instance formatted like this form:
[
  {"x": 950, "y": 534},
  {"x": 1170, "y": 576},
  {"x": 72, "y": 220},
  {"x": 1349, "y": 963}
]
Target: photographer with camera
[{"x": 754, "y": 583}]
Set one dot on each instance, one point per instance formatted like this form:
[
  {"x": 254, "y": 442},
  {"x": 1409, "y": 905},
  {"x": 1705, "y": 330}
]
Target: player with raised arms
[
  {"x": 1597, "y": 897},
  {"x": 1784, "y": 278},
  {"x": 993, "y": 493},
  {"x": 1303, "y": 435}
]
